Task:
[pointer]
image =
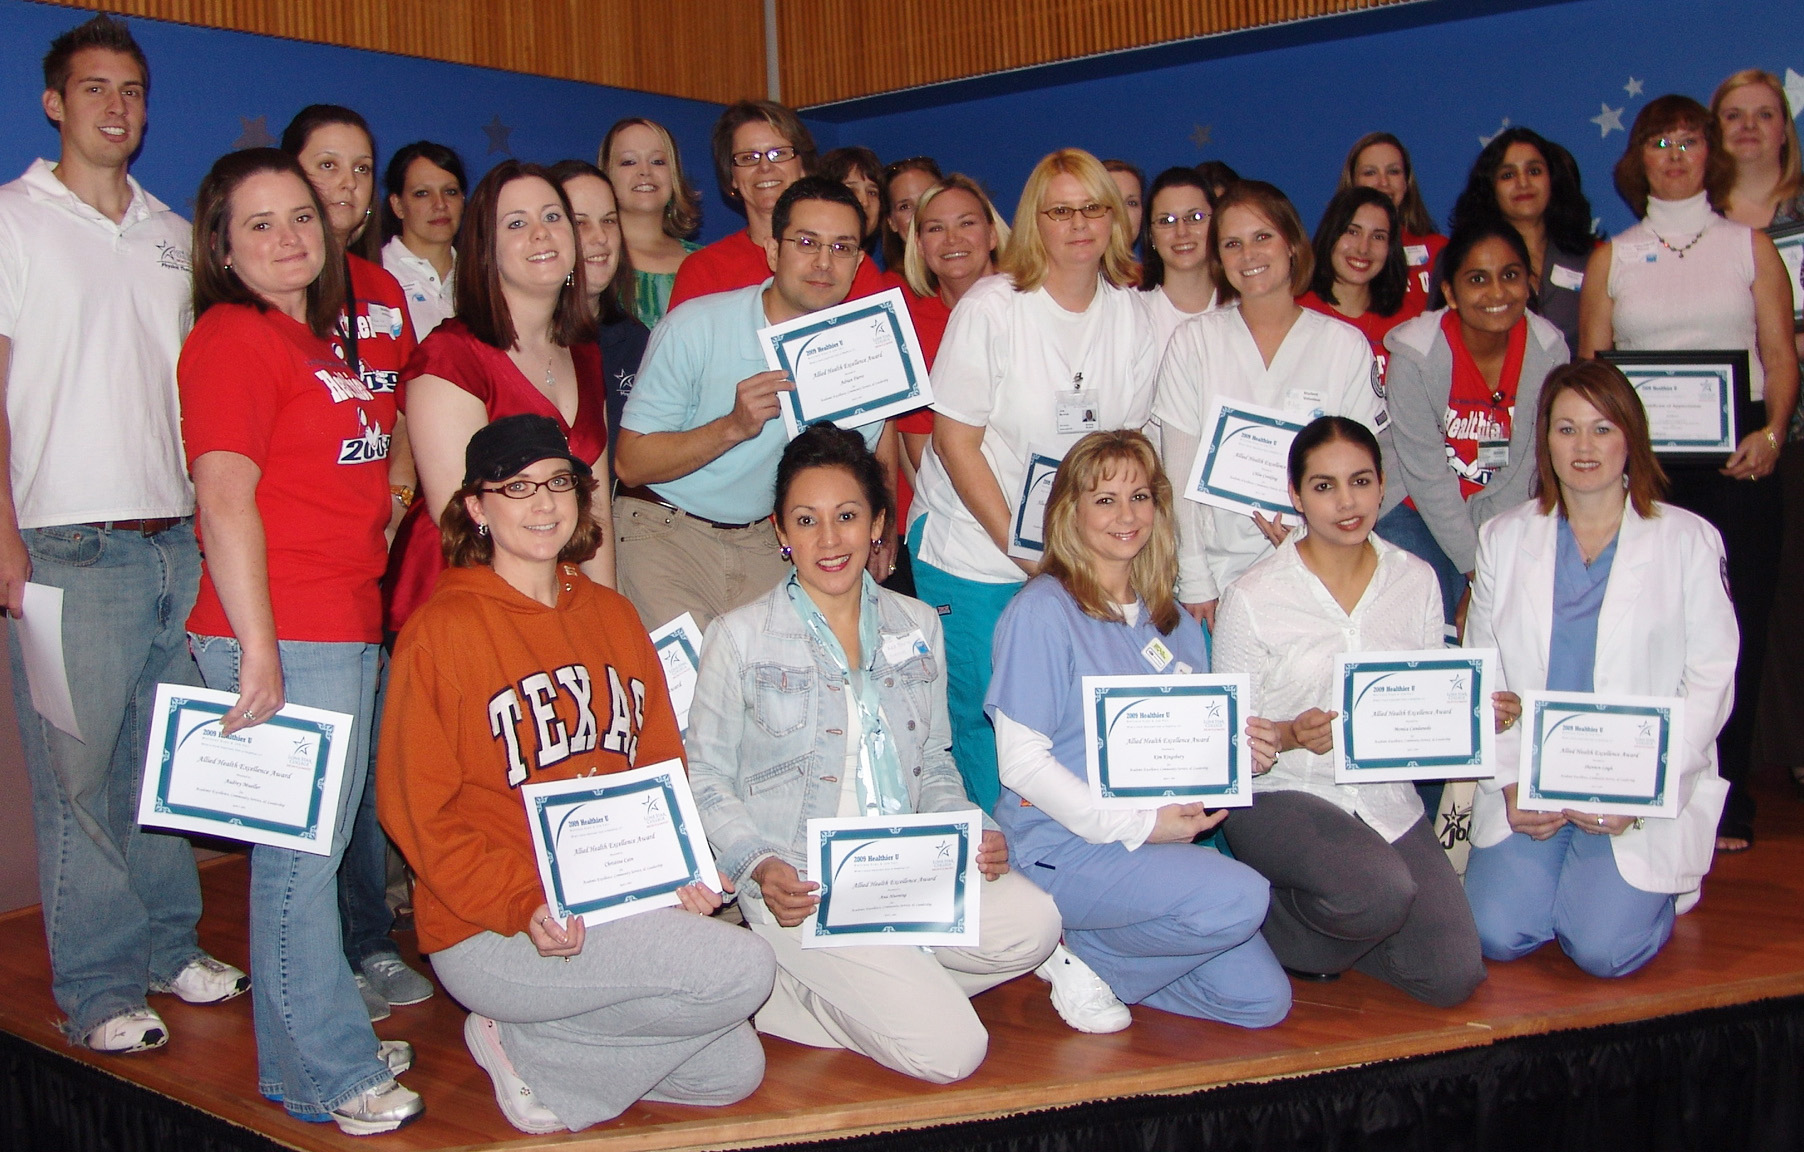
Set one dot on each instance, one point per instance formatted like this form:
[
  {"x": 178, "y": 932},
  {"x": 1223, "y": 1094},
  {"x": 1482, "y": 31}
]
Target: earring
[
  {"x": 783, "y": 551},
  {"x": 482, "y": 529},
  {"x": 569, "y": 278},
  {"x": 876, "y": 541}
]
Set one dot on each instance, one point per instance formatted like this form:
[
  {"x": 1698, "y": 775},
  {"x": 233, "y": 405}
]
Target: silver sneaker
[
  {"x": 390, "y": 976},
  {"x": 373, "y": 1001},
  {"x": 204, "y": 980},
  {"x": 1083, "y": 999},
  {"x": 383, "y": 1108}
]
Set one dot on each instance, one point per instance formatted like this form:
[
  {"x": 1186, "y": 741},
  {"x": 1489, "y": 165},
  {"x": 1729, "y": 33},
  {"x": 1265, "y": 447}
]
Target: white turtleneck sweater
[{"x": 1703, "y": 299}]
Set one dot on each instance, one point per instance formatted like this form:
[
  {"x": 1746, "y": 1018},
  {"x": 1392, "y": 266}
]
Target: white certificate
[
  {"x": 853, "y": 364},
  {"x": 909, "y": 880},
  {"x": 275, "y": 783},
  {"x": 1156, "y": 740},
  {"x": 1423, "y": 715},
  {"x": 610, "y": 846},
  {"x": 1603, "y": 754},
  {"x": 1027, "y": 531},
  {"x": 1243, "y": 461},
  {"x": 1689, "y": 409},
  {"x": 679, "y": 644}
]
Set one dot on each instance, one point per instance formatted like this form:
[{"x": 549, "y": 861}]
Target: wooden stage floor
[{"x": 1744, "y": 943}]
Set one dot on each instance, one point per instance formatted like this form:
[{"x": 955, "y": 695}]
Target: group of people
[{"x": 448, "y": 483}]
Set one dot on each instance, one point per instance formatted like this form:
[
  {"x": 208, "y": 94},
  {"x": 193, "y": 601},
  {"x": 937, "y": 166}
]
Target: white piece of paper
[
  {"x": 908, "y": 880},
  {"x": 1243, "y": 459},
  {"x": 1686, "y": 409},
  {"x": 616, "y": 845},
  {"x": 277, "y": 783},
  {"x": 1608, "y": 755},
  {"x": 679, "y": 645},
  {"x": 1027, "y": 529},
  {"x": 40, "y": 631},
  {"x": 1417, "y": 715},
  {"x": 853, "y": 364},
  {"x": 1156, "y": 740}
]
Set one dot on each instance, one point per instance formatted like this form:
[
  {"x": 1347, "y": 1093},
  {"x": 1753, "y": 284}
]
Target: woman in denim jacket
[{"x": 784, "y": 728}]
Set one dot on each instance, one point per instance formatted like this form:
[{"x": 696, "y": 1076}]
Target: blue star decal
[
  {"x": 1200, "y": 135},
  {"x": 255, "y": 133},
  {"x": 1633, "y": 87},
  {"x": 498, "y": 133}
]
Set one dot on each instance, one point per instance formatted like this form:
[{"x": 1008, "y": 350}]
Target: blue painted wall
[
  {"x": 1289, "y": 114},
  {"x": 212, "y": 91}
]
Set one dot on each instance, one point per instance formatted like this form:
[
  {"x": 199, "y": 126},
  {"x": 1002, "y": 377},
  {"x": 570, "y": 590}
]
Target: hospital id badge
[
  {"x": 1078, "y": 413},
  {"x": 1493, "y": 454}
]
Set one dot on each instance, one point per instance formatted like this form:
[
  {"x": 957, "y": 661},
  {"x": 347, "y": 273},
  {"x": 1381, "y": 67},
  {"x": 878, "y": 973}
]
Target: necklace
[
  {"x": 550, "y": 380},
  {"x": 1680, "y": 252}
]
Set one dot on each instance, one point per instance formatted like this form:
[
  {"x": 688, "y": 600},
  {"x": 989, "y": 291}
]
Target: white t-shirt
[
  {"x": 429, "y": 299},
  {"x": 1166, "y": 316},
  {"x": 1008, "y": 362},
  {"x": 96, "y": 312},
  {"x": 1323, "y": 368}
]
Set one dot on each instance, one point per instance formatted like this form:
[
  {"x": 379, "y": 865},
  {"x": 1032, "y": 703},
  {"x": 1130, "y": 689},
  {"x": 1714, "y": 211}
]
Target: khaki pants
[
  {"x": 668, "y": 563},
  {"x": 906, "y": 1008}
]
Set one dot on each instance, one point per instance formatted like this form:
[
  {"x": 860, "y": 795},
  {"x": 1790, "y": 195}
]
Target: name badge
[
  {"x": 897, "y": 649},
  {"x": 1157, "y": 654},
  {"x": 1567, "y": 278},
  {"x": 1309, "y": 400},
  {"x": 386, "y": 319},
  {"x": 1077, "y": 413},
  {"x": 1416, "y": 254},
  {"x": 1493, "y": 454},
  {"x": 1637, "y": 252}
]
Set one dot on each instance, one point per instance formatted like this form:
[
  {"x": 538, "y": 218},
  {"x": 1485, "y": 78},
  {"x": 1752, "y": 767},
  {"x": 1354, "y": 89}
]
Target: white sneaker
[
  {"x": 518, "y": 1104},
  {"x": 397, "y": 1054},
  {"x": 204, "y": 980},
  {"x": 1082, "y": 997},
  {"x": 139, "y": 1030},
  {"x": 383, "y": 1108}
]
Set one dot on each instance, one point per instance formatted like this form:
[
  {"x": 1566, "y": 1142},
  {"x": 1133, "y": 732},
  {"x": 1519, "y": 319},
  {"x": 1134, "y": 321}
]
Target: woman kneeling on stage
[
  {"x": 512, "y": 672},
  {"x": 827, "y": 697}
]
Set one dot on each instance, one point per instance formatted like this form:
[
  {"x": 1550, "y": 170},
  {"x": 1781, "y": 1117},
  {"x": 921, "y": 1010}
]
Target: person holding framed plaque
[
  {"x": 1358, "y": 878},
  {"x": 1151, "y": 917},
  {"x": 1686, "y": 278},
  {"x": 823, "y": 699},
  {"x": 521, "y": 670},
  {"x": 1596, "y": 587}
]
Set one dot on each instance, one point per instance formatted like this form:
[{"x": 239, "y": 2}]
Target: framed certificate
[
  {"x": 1696, "y": 402},
  {"x": 1603, "y": 754},
  {"x": 904, "y": 880},
  {"x": 1423, "y": 715},
  {"x": 1243, "y": 461},
  {"x": 679, "y": 645},
  {"x": 1790, "y": 242},
  {"x": 853, "y": 364},
  {"x": 611, "y": 846},
  {"x": 275, "y": 783},
  {"x": 1027, "y": 531},
  {"x": 1156, "y": 740}
]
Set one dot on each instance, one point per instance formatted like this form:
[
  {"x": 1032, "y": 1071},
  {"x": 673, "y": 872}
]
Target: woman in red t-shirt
[
  {"x": 288, "y": 450},
  {"x": 1379, "y": 160},
  {"x": 523, "y": 341},
  {"x": 1360, "y": 273}
]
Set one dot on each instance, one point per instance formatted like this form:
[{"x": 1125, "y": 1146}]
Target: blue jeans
[
  {"x": 1525, "y": 892},
  {"x": 315, "y": 1047},
  {"x": 363, "y": 876},
  {"x": 120, "y": 902},
  {"x": 1404, "y": 527}
]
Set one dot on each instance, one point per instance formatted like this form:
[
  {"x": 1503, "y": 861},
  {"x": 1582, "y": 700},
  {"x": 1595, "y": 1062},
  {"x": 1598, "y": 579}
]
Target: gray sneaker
[
  {"x": 373, "y": 1000},
  {"x": 383, "y": 1108},
  {"x": 394, "y": 981}
]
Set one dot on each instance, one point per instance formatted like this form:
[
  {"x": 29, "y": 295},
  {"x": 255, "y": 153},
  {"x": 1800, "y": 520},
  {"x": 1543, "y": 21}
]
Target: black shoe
[{"x": 1313, "y": 977}]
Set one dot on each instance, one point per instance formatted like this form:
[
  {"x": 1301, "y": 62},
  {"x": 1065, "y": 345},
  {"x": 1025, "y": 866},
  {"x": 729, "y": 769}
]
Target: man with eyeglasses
[{"x": 701, "y": 434}]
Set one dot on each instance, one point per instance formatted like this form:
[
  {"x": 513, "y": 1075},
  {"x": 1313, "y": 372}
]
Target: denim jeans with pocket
[{"x": 315, "y": 1047}]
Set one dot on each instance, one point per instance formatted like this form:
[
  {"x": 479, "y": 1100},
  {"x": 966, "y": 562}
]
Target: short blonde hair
[
  {"x": 1024, "y": 259},
  {"x": 1154, "y": 572},
  {"x": 914, "y": 265},
  {"x": 1791, "y": 166}
]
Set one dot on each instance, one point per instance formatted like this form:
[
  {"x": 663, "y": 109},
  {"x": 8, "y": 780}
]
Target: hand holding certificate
[
  {"x": 1242, "y": 462},
  {"x": 1156, "y": 740},
  {"x": 1608, "y": 755},
  {"x": 1423, "y": 715},
  {"x": 904, "y": 880},
  {"x": 853, "y": 364},
  {"x": 611, "y": 846}
]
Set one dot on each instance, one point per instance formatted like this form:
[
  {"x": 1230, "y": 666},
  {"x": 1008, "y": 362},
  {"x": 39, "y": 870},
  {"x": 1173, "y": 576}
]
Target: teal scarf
[{"x": 881, "y": 790}]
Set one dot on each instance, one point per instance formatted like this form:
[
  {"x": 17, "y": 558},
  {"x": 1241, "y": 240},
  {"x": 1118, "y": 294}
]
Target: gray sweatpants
[
  {"x": 657, "y": 1006},
  {"x": 1344, "y": 898}
]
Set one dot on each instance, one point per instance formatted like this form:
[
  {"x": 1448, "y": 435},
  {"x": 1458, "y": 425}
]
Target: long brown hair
[
  {"x": 1605, "y": 388},
  {"x": 481, "y": 305},
  {"x": 1153, "y": 575},
  {"x": 214, "y": 281}
]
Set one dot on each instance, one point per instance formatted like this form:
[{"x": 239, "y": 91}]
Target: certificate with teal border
[
  {"x": 1418, "y": 715},
  {"x": 1606, "y": 755},
  {"x": 896, "y": 880},
  {"x": 615, "y": 845},
  {"x": 1697, "y": 401},
  {"x": 679, "y": 644},
  {"x": 276, "y": 783},
  {"x": 852, "y": 364},
  {"x": 1243, "y": 461},
  {"x": 1027, "y": 529},
  {"x": 1178, "y": 739}
]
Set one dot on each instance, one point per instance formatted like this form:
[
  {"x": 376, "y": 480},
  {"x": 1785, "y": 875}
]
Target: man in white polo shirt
[{"x": 94, "y": 303}]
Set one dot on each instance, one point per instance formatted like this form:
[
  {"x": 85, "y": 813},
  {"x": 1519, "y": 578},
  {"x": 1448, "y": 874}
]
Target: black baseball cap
[{"x": 510, "y": 444}]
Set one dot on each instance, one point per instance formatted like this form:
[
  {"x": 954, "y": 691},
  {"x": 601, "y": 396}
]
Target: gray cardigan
[{"x": 1417, "y": 383}]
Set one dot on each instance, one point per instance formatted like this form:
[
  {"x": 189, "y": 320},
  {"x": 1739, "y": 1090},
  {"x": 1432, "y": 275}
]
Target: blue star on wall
[
  {"x": 497, "y": 133},
  {"x": 1485, "y": 141},
  {"x": 1608, "y": 121},
  {"x": 1200, "y": 135},
  {"x": 1633, "y": 87},
  {"x": 255, "y": 134}
]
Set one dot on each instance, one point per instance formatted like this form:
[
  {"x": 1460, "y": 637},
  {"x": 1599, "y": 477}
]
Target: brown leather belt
[
  {"x": 641, "y": 492},
  {"x": 149, "y": 527}
]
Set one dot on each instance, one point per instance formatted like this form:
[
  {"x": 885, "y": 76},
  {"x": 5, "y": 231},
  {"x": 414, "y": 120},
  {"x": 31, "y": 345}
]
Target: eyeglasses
[
  {"x": 809, "y": 247},
  {"x": 775, "y": 155},
  {"x": 1681, "y": 143},
  {"x": 526, "y": 489},
  {"x": 1194, "y": 216},
  {"x": 1064, "y": 212}
]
